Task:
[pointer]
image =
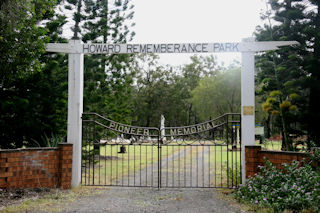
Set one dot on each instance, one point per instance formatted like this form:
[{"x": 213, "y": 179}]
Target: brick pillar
[
  {"x": 65, "y": 165},
  {"x": 252, "y": 160},
  {"x": 4, "y": 170}
]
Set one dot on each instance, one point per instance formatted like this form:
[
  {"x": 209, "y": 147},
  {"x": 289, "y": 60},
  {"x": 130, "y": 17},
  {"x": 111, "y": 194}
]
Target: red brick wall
[
  {"x": 255, "y": 156},
  {"x": 36, "y": 167},
  {"x": 252, "y": 160}
]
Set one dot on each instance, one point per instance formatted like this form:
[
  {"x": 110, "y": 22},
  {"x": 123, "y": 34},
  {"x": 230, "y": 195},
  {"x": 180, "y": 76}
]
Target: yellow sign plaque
[{"x": 248, "y": 110}]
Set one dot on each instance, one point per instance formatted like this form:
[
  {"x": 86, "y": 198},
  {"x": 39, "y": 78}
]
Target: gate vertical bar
[
  {"x": 232, "y": 151},
  {"x": 227, "y": 151},
  {"x": 159, "y": 165},
  {"x": 146, "y": 165},
  {"x": 241, "y": 150},
  {"x": 152, "y": 165},
  {"x": 93, "y": 153}
]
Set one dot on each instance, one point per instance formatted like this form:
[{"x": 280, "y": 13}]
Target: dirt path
[
  {"x": 188, "y": 167},
  {"x": 149, "y": 175}
]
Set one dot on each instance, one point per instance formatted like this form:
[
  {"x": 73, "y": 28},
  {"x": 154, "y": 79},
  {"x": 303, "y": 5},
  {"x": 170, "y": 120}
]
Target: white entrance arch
[{"x": 76, "y": 49}]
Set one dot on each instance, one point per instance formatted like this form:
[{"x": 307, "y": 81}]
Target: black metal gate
[{"x": 205, "y": 155}]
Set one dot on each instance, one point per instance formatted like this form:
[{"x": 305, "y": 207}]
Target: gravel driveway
[
  {"x": 188, "y": 167},
  {"x": 148, "y": 199},
  {"x": 131, "y": 199}
]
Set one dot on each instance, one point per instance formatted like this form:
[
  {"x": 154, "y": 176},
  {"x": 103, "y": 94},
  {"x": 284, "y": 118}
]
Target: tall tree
[
  {"x": 108, "y": 78},
  {"x": 78, "y": 8},
  {"x": 154, "y": 92},
  {"x": 288, "y": 70},
  {"x": 165, "y": 90},
  {"x": 312, "y": 32},
  {"x": 22, "y": 44},
  {"x": 52, "y": 87},
  {"x": 218, "y": 94},
  {"x": 192, "y": 73}
]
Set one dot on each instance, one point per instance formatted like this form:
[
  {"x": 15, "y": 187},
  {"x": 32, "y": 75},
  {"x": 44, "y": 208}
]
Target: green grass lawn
[
  {"x": 225, "y": 167},
  {"x": 222, "y": 164},
  {"x": 273, "y": 145},
  {"x": 270, "y": 145}
]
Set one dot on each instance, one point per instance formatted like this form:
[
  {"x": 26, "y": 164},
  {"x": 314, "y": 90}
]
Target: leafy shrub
[
  {"x": 294, "y": 188},
  {"x": 234, "y": 176},
  {"x": 315, "y": 156},
  {"x": 46, "y": 141}
]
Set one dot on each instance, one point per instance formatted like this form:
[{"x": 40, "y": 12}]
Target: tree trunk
[
  {"x": 285, "y": 137},
  {"x": 267, "y": 122},
  {"x": 77, "y": 21},
  {"x": 189, "y": 114}
]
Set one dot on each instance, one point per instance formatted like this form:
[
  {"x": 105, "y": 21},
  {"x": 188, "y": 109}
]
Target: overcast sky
[{"x": 192, "y": 21}]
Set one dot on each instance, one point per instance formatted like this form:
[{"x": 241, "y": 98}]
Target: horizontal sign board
[
  {"x": 159, "y": 48},
  {"x": 218, "y": 47}
]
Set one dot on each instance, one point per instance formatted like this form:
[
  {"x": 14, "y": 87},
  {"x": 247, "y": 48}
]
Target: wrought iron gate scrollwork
[{"x": 205, "y": 155}]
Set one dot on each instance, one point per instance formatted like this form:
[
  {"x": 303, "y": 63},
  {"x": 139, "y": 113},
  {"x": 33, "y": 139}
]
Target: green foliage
[
  {"x": 296, "y": 188},
  {"x": 164, "y": 90},
  {"x": 108, "y": 78},
  {"x": 51, "y": 141},
  {"x": 279, "y": 105},
  {"x": 88, "y": 152},
  {"x": 276, "y": 93},
  {"x": 286, "y": 70},
  {"x": 32, "y": 89},
  {"x": 291, "y": 70},
  {"x": 78, "y": 17},
  {"x": 315, "y": 156},
  {"x": 218, "y": 94},
  {"x": 22, "y": 41},
  {"x": 234, "y": 176},
  {"x": 158, "y": 91}
]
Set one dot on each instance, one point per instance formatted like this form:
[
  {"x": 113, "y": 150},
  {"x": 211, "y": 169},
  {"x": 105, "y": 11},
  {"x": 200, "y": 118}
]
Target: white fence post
[
  {"x": 75, "y": 109},
  {"x": 247, "y": 103}
]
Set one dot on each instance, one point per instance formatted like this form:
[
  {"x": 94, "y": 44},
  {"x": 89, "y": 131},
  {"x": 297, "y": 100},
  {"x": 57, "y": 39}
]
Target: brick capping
[
  {"x": 48, "y": 167},
  {"x": 29, "y": 149},
  {"x": 284, "y": 152},
  {"x": 65, "y": 143},
  {"x": 253, "y": 146},
  {"x": 255, "y": 157}
]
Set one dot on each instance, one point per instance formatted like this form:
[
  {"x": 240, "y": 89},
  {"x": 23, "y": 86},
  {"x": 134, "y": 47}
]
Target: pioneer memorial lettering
[
  {"x": 187, "y": 130},
  {"x": 129, "y": 129}
]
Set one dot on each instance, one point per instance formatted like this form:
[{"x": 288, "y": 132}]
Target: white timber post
[
  {"x": 75, "y": 109},
  {"x": 247, "y": 103},
  {"x": 238, "y": 134}
]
